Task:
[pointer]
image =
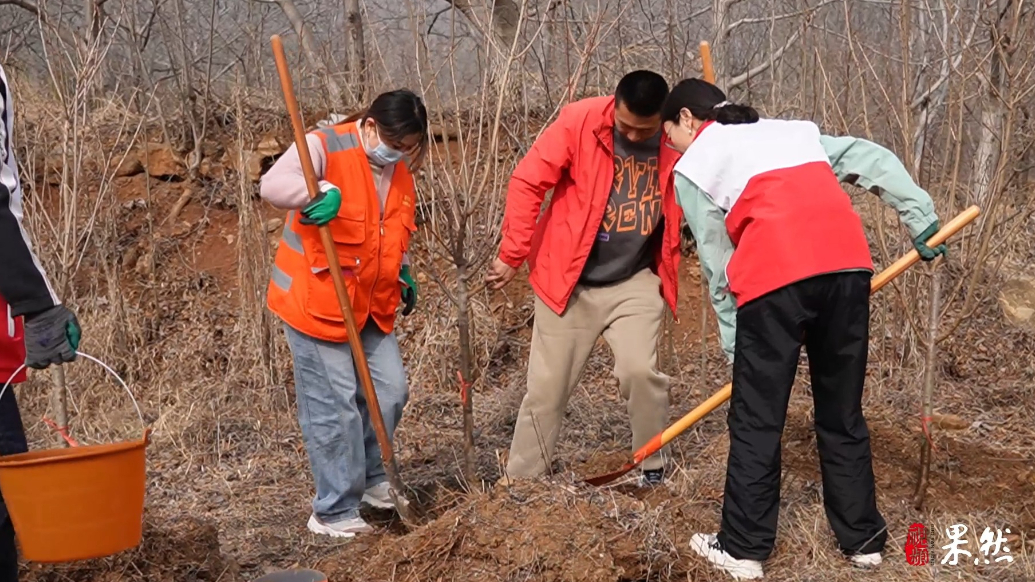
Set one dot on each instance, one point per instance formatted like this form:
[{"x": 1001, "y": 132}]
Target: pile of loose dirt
[{"x": 549, "y": 532}]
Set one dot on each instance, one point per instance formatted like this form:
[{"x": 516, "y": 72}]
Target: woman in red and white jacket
[{"x": 788, "y": 265}]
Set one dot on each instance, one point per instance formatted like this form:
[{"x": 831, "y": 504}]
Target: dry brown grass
[{"x": 229, "y": 484}]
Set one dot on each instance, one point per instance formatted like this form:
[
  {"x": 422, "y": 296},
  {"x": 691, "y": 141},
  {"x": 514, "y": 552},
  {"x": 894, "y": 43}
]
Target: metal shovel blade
[{"x": 605, "y": 479}]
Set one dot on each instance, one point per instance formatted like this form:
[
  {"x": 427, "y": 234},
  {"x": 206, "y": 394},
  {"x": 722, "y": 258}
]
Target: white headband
[{"x": 721, "y": 105}]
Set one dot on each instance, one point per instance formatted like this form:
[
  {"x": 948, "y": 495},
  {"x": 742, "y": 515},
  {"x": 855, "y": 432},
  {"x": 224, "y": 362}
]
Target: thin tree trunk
[
  {"x": 986, "y": 158},
  {"x": 505, "y": 17},
  {"x": 703, "y": 373},
  {"x": 305, "y": 40},
  {"x": 357, "y": 50},
  {"x": 466, "y": 370},
  {"x": 60, "y": 401},
  {"x": 930, "y": 375}
]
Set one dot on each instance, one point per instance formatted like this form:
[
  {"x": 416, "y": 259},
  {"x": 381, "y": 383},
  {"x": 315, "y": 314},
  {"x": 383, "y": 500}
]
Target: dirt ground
[{"x": 229, "y": 484}]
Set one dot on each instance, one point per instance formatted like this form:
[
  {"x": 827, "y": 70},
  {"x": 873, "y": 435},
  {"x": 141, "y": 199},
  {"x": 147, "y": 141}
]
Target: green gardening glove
[
  {"x": 409, "y": 290},
  {"x": 926, "y": 252},
  {"x": 323, "y": 208}
]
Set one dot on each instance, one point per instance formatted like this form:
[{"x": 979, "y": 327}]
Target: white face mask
[{"x": 382, "y": 155}]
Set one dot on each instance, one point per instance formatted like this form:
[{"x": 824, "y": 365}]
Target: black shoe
[{"x": 652, "y": 477}]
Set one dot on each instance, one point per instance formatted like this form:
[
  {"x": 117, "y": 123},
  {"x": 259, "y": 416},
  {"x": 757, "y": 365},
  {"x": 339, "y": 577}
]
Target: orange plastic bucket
[{"x": 77, "y": 503}]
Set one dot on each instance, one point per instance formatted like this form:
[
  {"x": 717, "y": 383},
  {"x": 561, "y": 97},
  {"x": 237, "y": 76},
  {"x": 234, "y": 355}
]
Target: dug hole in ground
[{"x": 175, "y": 305}]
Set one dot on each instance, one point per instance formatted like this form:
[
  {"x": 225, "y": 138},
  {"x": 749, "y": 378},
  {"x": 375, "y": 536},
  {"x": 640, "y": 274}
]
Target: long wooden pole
[
  {"x": 358, "y": 355},
  {"x": 708, "y": 72}
]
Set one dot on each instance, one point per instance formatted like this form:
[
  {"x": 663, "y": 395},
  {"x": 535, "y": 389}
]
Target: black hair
[
  {"x": 705, "y": 102},
  {"x": 642, "y": 92},
  {"x": 398, "y": 114}
]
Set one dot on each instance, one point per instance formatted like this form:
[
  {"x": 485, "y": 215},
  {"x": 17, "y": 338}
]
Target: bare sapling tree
[
  {"x": 256, "y": 344},
  {"x": 1010, "y": 69},
  {"x": 85, "y": 168},
  {"x": 195, "y": 86},
  {"x": 72, "y": 74},
  {"x": 930, "y": 379},
  {"x": 463, "y": 193}
]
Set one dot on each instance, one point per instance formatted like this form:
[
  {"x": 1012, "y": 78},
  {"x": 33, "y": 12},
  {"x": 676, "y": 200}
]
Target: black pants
[
  {"x": 832, "y": 313},
  {"x": 12, "y": 441}
]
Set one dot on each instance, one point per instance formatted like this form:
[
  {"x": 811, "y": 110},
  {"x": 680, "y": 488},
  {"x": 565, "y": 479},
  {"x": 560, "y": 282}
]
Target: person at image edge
[{"x": 35, "y": 328}]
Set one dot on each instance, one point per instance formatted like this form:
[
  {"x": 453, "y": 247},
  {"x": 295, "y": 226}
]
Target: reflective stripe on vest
[
  {"x": 281, "y": 279},
  {"x": 290, "y": 237},
  {"x": 338, "y": 142}
]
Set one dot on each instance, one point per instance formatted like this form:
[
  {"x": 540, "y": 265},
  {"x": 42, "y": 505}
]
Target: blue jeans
[{"x": 344, "y": 455}]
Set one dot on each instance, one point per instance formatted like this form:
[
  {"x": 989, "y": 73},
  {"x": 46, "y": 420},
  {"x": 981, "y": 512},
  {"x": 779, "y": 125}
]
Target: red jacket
[
  {"x": 575, "y": 157},
  {"x": 786, "y": 214},
  {"x": 12, "y": 345}
]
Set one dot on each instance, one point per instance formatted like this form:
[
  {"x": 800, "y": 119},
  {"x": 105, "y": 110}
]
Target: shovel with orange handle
[
  {"x": 660, "y": 440},
  {"x": 359, "y": 356}
]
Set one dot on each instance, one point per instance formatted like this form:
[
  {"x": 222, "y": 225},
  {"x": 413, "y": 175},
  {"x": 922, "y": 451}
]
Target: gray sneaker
[{"x": 347, "y": 528}]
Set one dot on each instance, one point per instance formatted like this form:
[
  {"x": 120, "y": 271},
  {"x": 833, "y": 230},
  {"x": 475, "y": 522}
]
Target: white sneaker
[
  {"x": 866, "y": 560},
  {"x": 340, "y": 529},
  {"x": 379, "y": 496},
  {"x": 707, "y": 546}
]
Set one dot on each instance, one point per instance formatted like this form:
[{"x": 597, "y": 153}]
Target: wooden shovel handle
[{"x": 706, "y": 62}]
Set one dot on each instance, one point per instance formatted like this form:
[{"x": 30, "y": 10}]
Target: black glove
[{"x": 51, "y": 337}]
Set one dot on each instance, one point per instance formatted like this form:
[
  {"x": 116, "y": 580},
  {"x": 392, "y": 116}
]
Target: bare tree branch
[
  {"x": 758, "y": 70},
  {"x": 771, "y": 19},
  {"x": 306, "y": 42}
]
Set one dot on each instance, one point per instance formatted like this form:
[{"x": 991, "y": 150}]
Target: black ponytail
[
  {"x": 732, "y": 114},
  {"x": 705, "y": 102}
]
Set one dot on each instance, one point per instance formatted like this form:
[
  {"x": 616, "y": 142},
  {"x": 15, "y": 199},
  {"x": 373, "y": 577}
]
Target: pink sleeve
[{"x": 283, "y": 186}]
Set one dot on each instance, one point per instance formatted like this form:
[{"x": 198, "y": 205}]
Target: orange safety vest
[{"x": 370, "y": 246}]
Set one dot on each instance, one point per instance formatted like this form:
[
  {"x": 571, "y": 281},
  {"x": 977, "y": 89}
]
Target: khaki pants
[{"x": 629, "y": 315}]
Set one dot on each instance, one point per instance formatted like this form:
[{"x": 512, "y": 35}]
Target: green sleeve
[
  {"x": 714, "y": 249},
  {"x": 868, "y": 165}
]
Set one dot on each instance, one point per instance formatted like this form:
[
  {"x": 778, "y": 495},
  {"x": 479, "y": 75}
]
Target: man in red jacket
[{"x": 603, "y": 259}]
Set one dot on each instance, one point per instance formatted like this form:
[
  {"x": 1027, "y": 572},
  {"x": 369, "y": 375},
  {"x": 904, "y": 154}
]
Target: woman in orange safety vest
[{"x": 367, "y": 201}]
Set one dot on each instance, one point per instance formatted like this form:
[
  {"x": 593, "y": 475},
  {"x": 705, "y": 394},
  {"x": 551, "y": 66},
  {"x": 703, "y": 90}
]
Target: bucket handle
[{"x": 101, "y": 364}]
